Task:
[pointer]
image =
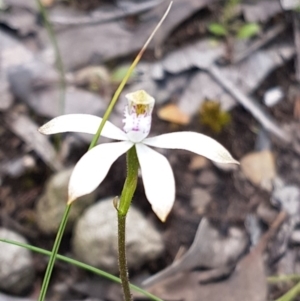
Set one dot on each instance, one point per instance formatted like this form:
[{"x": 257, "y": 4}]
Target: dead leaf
[
  {"x": 259, "y": 168},
  {"x": 210, "y": 249},
  {"x": 6, "y": 98},
  {"x": 20, "y": 19},
  {"x": 247, "y": 282},
  {"x": 27, "y": 130},
  {"x": 198, "y": 162},
  {"x": 173, "y": 114},
  {"x": 200, "y": 54},
  {"x": 47, "y": 3},
  {"x": 261, "y": 11},
  {"x": 86, "y": 48}
]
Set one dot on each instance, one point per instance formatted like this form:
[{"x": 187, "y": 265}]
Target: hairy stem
[
  {"x": 125, "y": 201},
  {"x": 122, "y": 258}
]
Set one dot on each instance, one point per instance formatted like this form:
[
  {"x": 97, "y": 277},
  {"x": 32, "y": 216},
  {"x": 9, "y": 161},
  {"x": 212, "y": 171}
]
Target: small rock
[
  {"x": 259, "y": 168},
  {"x": 273, "y": 96},
  {"x": 95, "y": 237},
  {"x": 18, "y": 166},
  {"x": 16, "y": 264},
  {"x": 199, "y": 199},
  {"x": 295, "y": 237},
  {"x": 207, "y": 178},
  {"x": 51, "y": 205},
  {"x": 288, "y": 197}
]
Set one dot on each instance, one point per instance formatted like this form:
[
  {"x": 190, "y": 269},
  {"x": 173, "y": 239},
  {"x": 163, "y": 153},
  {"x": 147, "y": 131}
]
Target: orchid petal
[
  {"x": 158, "y": 180},
  {"x": 93, "y": 167},
  {"x": 83, "y": 123},
  {"x": 194, "y": 142}
]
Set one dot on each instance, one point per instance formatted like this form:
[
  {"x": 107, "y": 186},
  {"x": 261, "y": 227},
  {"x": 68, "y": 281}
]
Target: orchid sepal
[
  {"x": 82, "y": 123},
  {"x": 193, "y": 142},
  {"x": 92, "y": 168}
]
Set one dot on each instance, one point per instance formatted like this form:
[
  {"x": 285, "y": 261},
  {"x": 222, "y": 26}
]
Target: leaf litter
[
  {"x": 246, "y": 282},
  {"x": 182, "y": 78}
]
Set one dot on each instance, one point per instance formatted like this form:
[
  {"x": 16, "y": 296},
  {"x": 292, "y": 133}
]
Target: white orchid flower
[{"x": 156, "y": 171}]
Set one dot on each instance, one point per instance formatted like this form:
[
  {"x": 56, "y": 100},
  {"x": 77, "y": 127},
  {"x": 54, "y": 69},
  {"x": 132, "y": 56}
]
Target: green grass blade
[{"x": 81, "y": 265}]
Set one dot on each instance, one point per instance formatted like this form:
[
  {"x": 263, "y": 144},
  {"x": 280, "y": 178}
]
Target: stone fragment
[
  {"x": 95, "y": 238},
  {"x": 51, "y": 205},
  {"x": 207, "y": 178},
  {"x": 288, "y": 198},
  {"x": 18, "y": 166},
  {"x": 295, "y": 237},
  {"x": 199, "y": 199},
  {"x": 273, "y": 96},
  {"x": 16, "y": 264}
]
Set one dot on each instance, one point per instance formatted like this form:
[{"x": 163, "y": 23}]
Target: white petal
[
  {"x": 83, "y": 123},
  {"x": 158, "y": 180},
  {"x": 93, "y": 167},
  {"x": 194, "y": 142}
]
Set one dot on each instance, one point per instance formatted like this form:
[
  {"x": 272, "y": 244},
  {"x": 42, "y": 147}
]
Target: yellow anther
[{"x": 141, "y": 101}]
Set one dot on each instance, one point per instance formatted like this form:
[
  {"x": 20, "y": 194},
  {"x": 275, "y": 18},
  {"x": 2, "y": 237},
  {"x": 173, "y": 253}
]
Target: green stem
[
  {"x": 80, "y": 265},
  {"x": 125, "y": 201},
  {"x": 130, "y": 182},
  {"x": 55, "y": 248},
  {"x": 59, "y": 61}
]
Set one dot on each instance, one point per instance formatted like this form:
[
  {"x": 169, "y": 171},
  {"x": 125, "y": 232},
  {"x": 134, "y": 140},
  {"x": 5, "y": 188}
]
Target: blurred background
[{"x": 228, "y": 69}]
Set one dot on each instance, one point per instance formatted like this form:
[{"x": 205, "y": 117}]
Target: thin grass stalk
[
  {"x": 58, "y": 58},
  {"x": 81, "y": 265},
  {"x": 54, "y": 252}
]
